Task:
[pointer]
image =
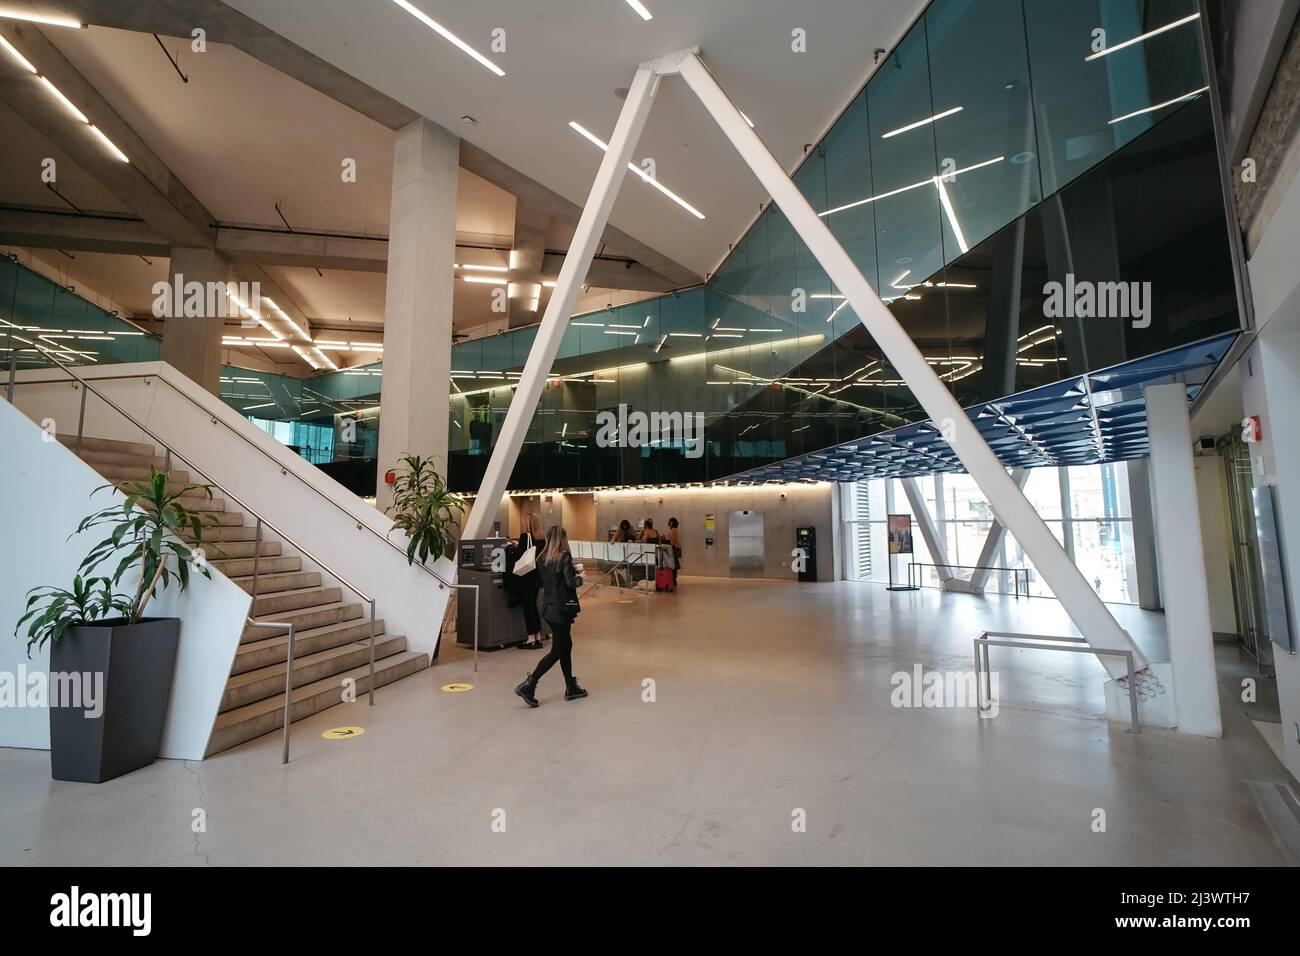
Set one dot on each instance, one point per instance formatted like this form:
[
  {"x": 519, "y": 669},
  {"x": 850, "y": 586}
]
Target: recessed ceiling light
[
  {"x": 1145, "y": 36},
  {"x": 22, "y": 60},
  {"x": 36, "y": 18},
  {"x": 57, "y": 94},
  {"x": 919, "y": 123},
  {"x": 487, "y": 280},
  {"x": 112, "y": 147},
  {"x": 447, "y": 35},
  {"x": 578, "y": 127},
  {"x": 640, "y": 9}
]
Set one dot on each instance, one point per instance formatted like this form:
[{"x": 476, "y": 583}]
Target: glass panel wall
[
  {"x": 40, "y": 320},
  {"x": 1098, "y": 516}
]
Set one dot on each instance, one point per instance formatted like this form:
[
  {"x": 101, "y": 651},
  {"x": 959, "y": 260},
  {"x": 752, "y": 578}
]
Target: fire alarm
[
  {"x": 390, "y": 476},
  {"x": 1252, "y": 429}
]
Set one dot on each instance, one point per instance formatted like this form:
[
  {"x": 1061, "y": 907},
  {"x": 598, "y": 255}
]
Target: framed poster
[{"x": 900, "y": 533}]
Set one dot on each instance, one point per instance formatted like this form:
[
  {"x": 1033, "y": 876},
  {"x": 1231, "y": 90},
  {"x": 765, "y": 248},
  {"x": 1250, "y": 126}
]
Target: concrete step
[
  {"x": 109, "y": 444},
  {"x": 271, "y": 583},
  {"x": 225, "y": 519},
  {"x": 220, "y": 550},
  {"x": 274, "y": 603},
  {"x": 239, "y": 567},
  {"x": 253, "y": 720},
  {"x": 252, "y": 686},
  {"x": 304, "y": 618},
  {"x": 273, "y": 650},
  {"x": 109, "y": 458},
  {"x": 120, "y": 473},
  {"x": 224, "y": 531}
]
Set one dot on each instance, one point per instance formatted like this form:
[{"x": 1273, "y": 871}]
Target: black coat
[{"x": 560, "y": 583}]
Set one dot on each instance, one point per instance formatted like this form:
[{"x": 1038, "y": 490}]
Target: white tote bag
[{"x": 527, "y": 561}]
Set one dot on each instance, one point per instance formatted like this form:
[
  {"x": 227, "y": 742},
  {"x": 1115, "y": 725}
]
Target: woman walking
[
  {"x": 560, "y": 583},
  {"x": 528, "y": 585}
]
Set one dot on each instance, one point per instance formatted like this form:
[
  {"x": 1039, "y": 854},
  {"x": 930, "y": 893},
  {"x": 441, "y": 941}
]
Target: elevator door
[
  {"x": 745, "y": 543},
  {"x": 1247, "y": 570}
]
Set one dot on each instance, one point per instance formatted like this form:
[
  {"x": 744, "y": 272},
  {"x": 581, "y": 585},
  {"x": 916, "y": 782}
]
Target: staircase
[{"x": 331, "y": 636}]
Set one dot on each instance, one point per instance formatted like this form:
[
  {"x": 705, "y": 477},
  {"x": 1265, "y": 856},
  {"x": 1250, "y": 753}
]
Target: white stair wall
[
  {"x": 47, "y": 490},
  {"x": 268, "y": 477}
]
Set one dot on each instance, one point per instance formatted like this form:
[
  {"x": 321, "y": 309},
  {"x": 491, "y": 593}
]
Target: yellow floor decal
[
  {"x": 457, "y": 688},
  {"x": 343, "y": 733}
]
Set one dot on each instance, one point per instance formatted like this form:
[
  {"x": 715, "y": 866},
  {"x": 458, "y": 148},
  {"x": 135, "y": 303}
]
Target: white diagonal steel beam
[{"x": 541, "y": 356}]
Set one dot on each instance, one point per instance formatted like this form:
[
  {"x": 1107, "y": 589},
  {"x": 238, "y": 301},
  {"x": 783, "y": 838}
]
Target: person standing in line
[
  {"x": 648, "y": 533},
  {"x": 527, "y": 586},
  {"x": 675, "y": 541},
  {"x": 560, "y": 583}
]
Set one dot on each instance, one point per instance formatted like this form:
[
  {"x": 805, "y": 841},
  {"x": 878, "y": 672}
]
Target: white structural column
[
  {"x": 591, "y": 225},
  {"x": 933, "y": 536},
  {"x": 1182, "y": 562},
  {"x": 415, "y": 393},
  {"x": 997, "y": 534},
  {"x": 1009, "y": 503}
]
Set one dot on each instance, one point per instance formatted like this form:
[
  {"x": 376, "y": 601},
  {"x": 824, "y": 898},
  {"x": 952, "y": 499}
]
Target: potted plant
[
  {"x": 425, "y": 508},
  {"x": 102, "y": 642}
]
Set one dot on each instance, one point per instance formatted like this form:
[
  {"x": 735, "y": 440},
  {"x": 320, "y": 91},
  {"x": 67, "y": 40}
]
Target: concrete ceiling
[{"x": 564, "y": 59}]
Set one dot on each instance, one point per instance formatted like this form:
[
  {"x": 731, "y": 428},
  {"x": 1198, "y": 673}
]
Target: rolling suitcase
[{"x": 664, "y": 579}]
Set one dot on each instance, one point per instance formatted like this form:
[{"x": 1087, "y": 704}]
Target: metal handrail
[
  {"x": 288, "y": 677},
  {"x": 628, "y": 562},
  {"x": 1044, "y": 642},
  {"x": 361, "y": 525},
  {"x": 366, "y": 598},
  {"x": 1015, "y": 572}
]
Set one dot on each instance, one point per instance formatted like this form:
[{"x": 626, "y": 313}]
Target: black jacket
[{"x": 560, "y": 583}]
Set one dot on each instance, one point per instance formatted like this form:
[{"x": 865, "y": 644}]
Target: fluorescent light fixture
[
  {"x": 37, "y": 18},
  {"x": 489, "y": 280},
  {"x": 590, "y": 325},
  {"x": 1145, "y": 36},
  {"x": 951, "y": 214},
  {"x": 924, "y": 182},
  {"x": 447, "y": 35},
  {"x": 112, "y": 147},
  {"x": 919, "y": 123},
  {"x": 686, "y": 335},
  {"x": 1158, "y": 106},
  {"x": 65, "y": 101},
  {"x": 640, "y": 9},
  {"x": 22, "y": 60},
  {"x": 592, "y": 137},
  {"x": 487, "y": 268},
  {"x": 615, "y": 325}
]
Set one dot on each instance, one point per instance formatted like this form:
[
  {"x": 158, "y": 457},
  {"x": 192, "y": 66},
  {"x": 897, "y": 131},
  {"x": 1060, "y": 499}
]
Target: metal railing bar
[
  {"x": 1045, "y": 642},
  {"x": 288, "y": 679}
]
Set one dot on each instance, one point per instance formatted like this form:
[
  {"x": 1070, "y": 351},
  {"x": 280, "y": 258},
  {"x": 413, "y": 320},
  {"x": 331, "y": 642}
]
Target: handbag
[{"x": 527, "y": 560}]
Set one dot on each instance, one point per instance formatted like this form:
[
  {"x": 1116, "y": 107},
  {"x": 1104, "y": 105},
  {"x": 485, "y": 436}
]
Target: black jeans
[
  {"x": 528, "y": 600},
  {"x": 561, "y": 649}
]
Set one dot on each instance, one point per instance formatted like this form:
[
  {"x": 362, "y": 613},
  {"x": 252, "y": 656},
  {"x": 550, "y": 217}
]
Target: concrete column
[
  {"x": 192, "y": 345},
  {"x": 1181, "y": 560},
  {"x": 1144, "y": 535},
  {"x": 528, "y": 256},
  {"x": 418, "y": 298}
]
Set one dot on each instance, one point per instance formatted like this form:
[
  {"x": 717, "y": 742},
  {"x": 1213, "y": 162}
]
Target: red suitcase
[{"x": 664, "y": 579}]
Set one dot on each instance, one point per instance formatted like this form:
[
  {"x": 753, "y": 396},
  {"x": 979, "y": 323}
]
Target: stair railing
[
  {"x": 360, "y": 525},
  {"x": 86, "y": 387}
]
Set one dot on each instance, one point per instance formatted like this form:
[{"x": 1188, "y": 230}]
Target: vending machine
[{"x": 805, "y": 540}]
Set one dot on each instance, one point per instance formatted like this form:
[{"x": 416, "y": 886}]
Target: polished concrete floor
[{"x": 772, "y": 703}]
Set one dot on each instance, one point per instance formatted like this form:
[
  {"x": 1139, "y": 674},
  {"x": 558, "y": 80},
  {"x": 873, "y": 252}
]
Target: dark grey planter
[{"x": 136, "y": 663}]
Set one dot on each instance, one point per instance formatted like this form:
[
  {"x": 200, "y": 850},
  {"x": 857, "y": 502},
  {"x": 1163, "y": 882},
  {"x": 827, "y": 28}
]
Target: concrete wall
[
  {"x": 1211, "y": 498},
  {"x": 784, "y": 509},
  {"x": 49, "y": 491}
]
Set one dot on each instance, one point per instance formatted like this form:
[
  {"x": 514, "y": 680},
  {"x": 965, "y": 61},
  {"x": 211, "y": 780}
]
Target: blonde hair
[
  {"x": 557, "y": 544},
  {"x": 532, "y": 525}
]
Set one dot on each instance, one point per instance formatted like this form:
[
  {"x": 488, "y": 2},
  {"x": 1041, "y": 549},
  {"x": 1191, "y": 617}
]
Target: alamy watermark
[
  {"x": 176, "y": 298},
  {"x": 1084, "y": 299},
  {"x": 631, "y": 429},
  {"x": 81, "y": 690},
  {"x": 933, "y": 689}
]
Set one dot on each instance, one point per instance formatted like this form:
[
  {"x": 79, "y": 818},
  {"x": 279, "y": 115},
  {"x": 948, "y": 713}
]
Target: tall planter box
[{"x": 136, "y": 662}]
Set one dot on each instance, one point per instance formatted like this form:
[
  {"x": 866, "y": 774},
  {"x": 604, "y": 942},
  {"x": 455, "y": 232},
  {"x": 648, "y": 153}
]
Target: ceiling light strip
[{"x": 447, "y": 35}]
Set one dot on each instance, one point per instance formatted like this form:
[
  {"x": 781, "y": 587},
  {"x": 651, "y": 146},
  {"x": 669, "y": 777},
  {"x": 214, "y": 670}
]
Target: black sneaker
[
  {"x": 571, "y": 689},
  {"x": 531, "y": 646},
  {"x": 525, "y": 690}
]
